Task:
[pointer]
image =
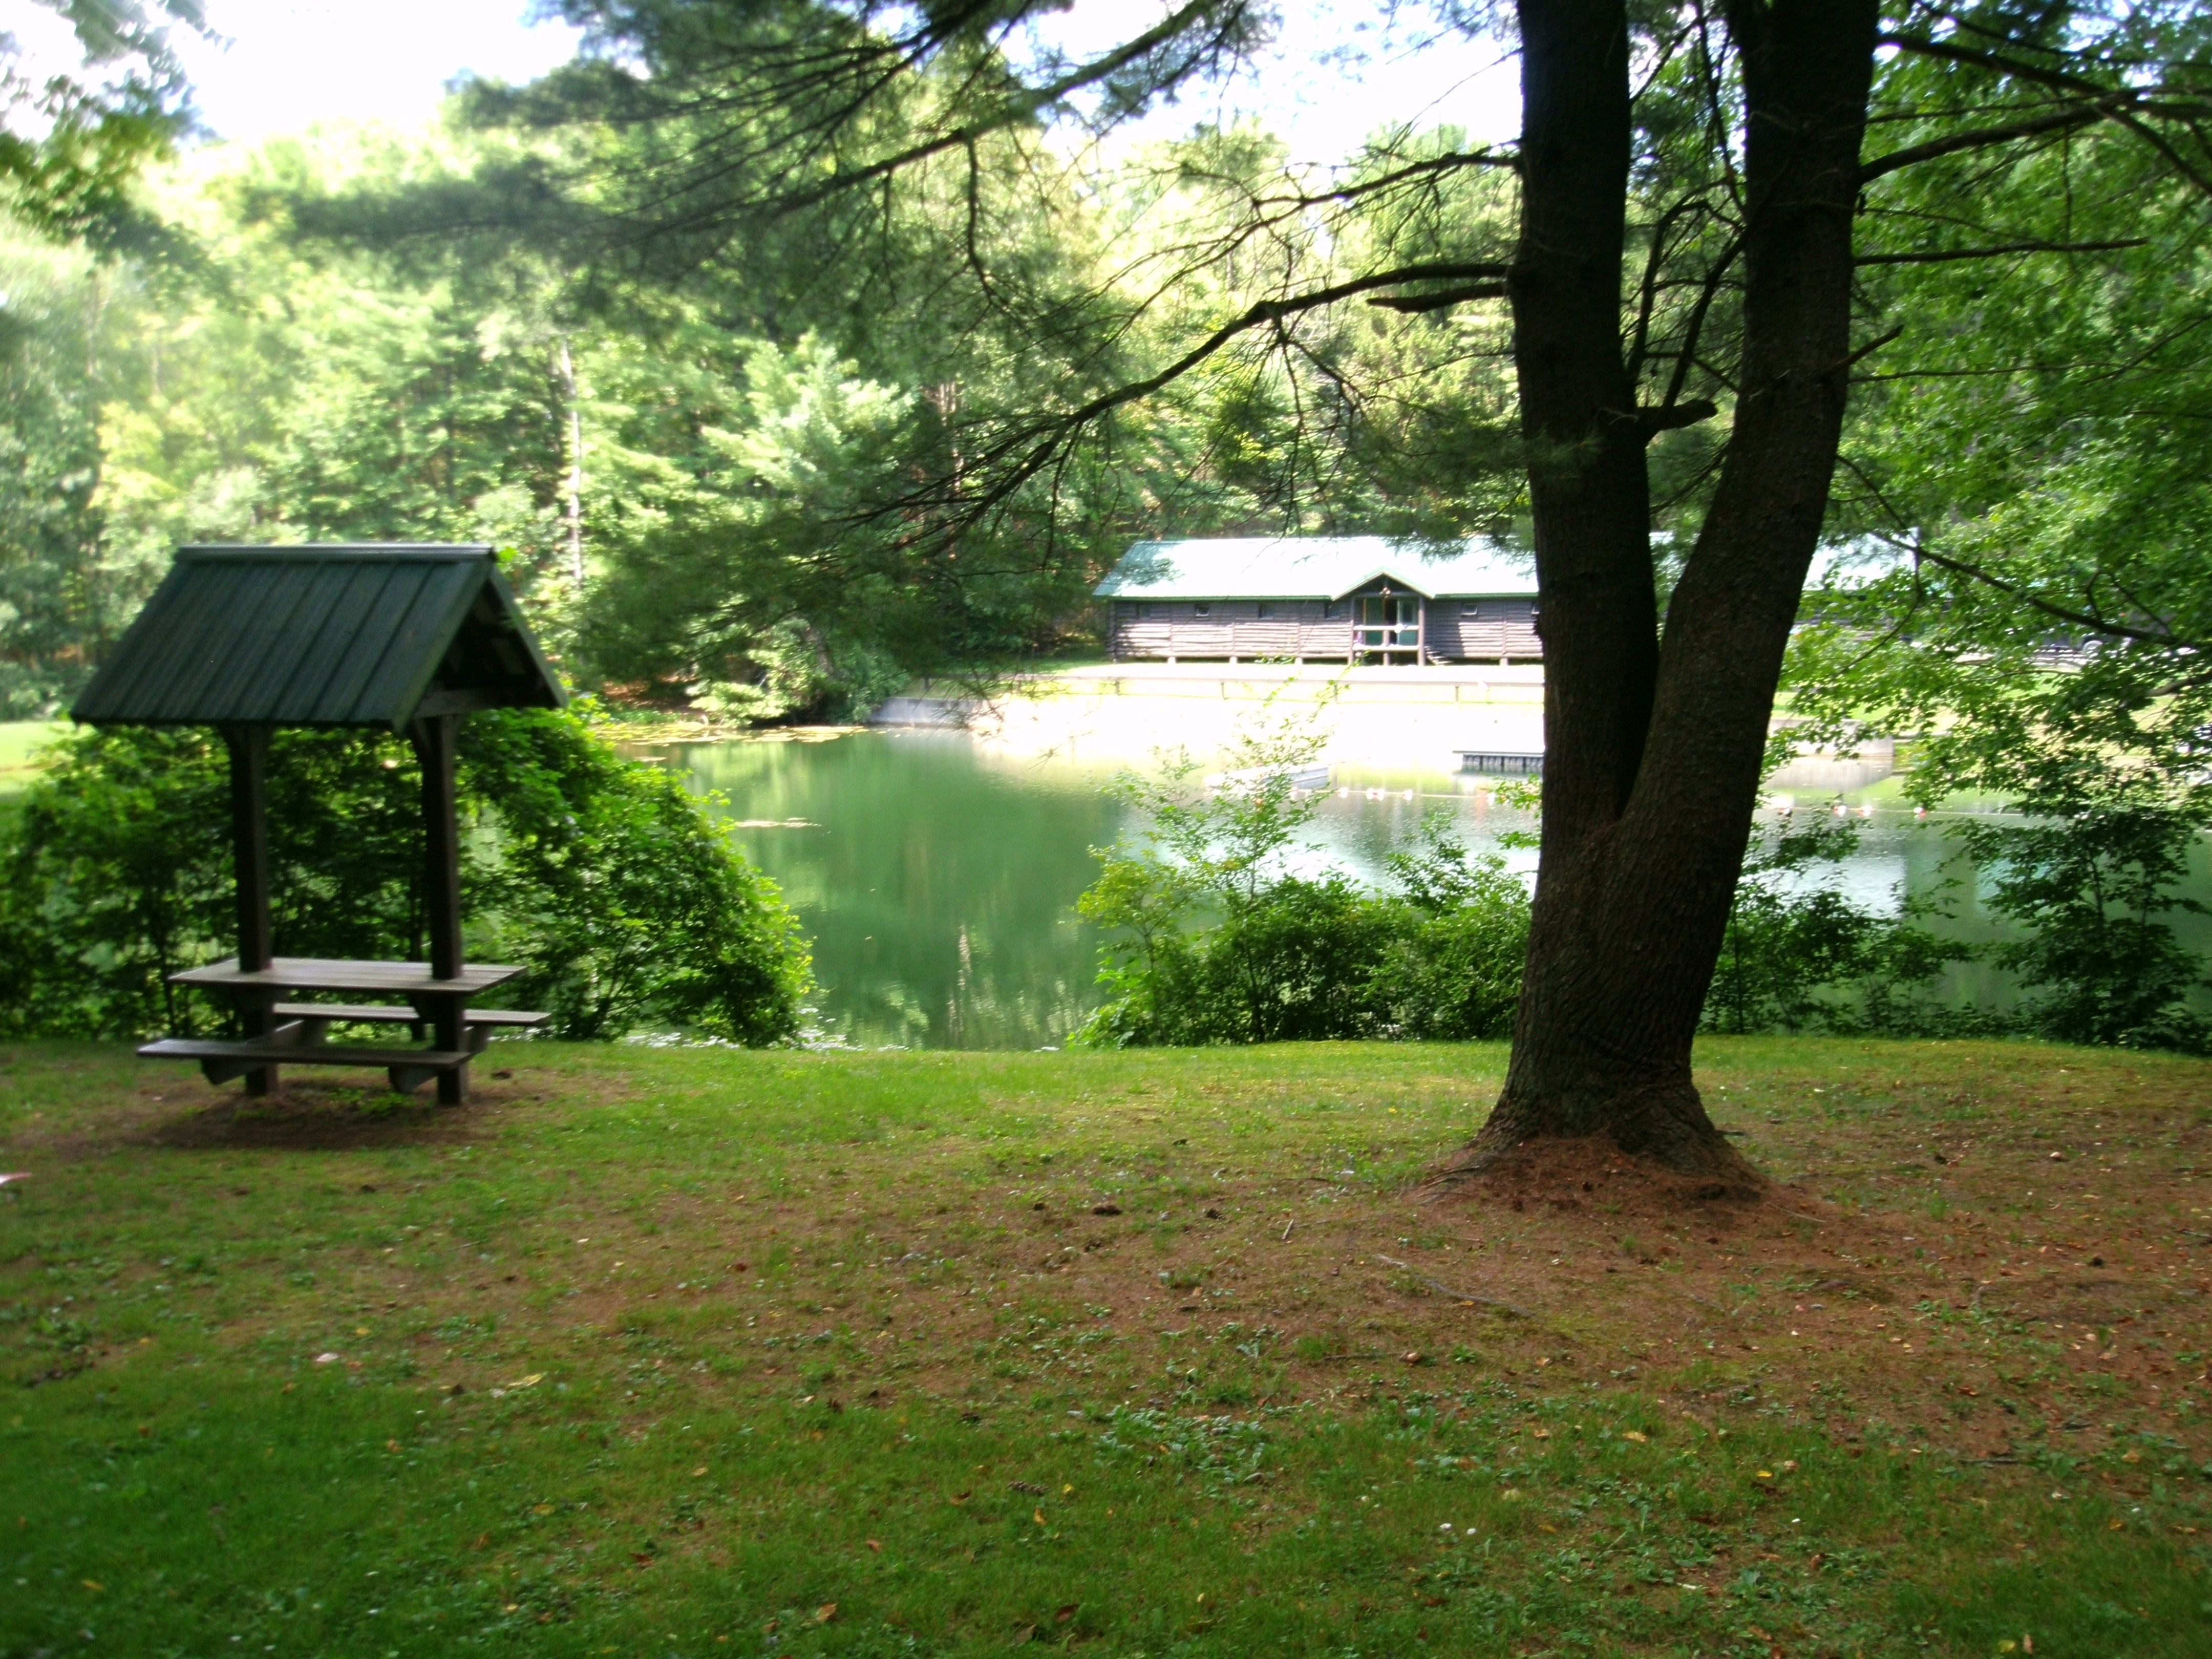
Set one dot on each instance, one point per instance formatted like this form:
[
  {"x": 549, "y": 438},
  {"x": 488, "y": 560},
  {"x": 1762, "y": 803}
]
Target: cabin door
[{"x": 1389, "y": 627}]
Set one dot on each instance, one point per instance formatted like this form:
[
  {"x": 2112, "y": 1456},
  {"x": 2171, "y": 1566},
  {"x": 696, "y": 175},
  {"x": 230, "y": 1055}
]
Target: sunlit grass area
[
  {"x": 19, "y": 741},
  {"x": 698, "y": 1351}
]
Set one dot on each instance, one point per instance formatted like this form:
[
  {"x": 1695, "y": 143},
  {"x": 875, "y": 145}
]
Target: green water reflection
[
  {"x": 938, "y": 885},
  {"x": 938, "y": 879}
]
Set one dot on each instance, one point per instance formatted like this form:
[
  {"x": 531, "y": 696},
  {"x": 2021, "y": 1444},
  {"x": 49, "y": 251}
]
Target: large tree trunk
[{"x": 1653, "y": 747}]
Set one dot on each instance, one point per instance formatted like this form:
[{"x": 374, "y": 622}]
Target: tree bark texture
[{"x": 1654, "y": 744}]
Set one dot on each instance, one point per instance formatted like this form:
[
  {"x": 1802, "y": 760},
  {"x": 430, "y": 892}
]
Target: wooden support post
[
  {"x": 433, "y": 737},
  {"x": 249, "y": 839}
]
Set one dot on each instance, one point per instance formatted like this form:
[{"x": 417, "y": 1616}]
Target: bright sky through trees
[
  {"x": 284, "y": 64},
  {"x": 1335, "y": 73}
]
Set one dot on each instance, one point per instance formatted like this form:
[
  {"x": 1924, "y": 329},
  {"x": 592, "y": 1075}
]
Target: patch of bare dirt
[
  {"x": 316, "y": 1115},
  {"x": 1565, "y": 1176}
]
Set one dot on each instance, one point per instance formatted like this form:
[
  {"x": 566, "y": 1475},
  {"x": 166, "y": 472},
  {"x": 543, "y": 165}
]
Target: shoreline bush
[
  {"x": 1225, "y": 940},
  {"x": 600, "y": 874}
]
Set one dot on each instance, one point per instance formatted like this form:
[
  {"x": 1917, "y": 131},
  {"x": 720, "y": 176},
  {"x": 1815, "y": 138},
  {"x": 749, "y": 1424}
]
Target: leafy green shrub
[
  {"x": 1298, "y": 962},
  {"x": 1222, "y": 941},
  {"x": 601, "y": 875},
  {"x": 2091, "y": 883},
  {"x": 1798, "y": 959},
  {"x": 1456, "y": 974},
  {"x": 2092, "y": 732}
]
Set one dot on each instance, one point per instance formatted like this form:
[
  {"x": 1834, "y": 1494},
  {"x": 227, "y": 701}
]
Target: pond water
[{"x": 937, "y": 876}]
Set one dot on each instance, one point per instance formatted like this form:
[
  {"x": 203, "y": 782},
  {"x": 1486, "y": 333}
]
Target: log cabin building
[{"x": 1360, "y": 599}]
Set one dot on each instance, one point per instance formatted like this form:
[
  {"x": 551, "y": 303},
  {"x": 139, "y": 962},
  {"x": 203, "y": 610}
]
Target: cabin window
[
  {"x": 1201, "y": 610},
  {"x": 1267, "y": 610}
]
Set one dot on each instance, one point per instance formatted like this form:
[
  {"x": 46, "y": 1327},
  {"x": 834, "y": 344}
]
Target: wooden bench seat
[
  {"x": 477, "y": 1023},
  {"x": 221, "y": 1061},
  {"x": 296, "y": 1031}
]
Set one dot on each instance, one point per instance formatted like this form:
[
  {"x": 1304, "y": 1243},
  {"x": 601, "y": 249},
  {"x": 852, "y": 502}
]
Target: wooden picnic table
[
  {"x": 280, "y": 1030},
  {"x": 397, "y": 979}
]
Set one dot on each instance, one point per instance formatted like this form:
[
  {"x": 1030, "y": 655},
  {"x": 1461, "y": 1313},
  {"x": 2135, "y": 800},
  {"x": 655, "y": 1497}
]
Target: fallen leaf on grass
[
  {"x": 1064, "y": 1615},
  {"x": 874, "y": 1546},
  {"x": 825, "y": 1613},
  {"x": 1637, "y": 1435},
  {"x": 529, "y": 1381},
  {"x": 700, "y": 1470},
  {"x": 326, "y": 1360}
]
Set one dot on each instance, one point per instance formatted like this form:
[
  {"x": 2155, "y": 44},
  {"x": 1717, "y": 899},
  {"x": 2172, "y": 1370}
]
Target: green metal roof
[
  {"x": 332, "y": 634},
  {"x": 1314, "y": 568}
]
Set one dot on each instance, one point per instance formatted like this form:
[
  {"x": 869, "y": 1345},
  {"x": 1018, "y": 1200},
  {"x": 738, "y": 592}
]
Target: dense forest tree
[
  {"x": 72, "y": 143},
  {"x": 72, "y": 146},
  {"x": 2029, "y": 595}
]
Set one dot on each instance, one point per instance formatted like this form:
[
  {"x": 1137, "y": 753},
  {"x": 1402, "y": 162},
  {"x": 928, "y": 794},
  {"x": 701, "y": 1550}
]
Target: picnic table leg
[
  {"x": 448, "y": 1018},
  {"x": 256, "y": 1021}
]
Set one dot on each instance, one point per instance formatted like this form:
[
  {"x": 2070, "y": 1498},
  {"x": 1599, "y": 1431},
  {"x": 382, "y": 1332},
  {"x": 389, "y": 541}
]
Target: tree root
[
  {"x": 1665, "y": 1128},
  {"x": 1712, "y": 1170}
]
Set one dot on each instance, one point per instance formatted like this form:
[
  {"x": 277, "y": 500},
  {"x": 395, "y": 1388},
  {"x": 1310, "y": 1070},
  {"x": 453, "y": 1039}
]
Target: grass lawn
[
  {"x": 18, "y": 739},
  {"x": 694, "y": 1352}
]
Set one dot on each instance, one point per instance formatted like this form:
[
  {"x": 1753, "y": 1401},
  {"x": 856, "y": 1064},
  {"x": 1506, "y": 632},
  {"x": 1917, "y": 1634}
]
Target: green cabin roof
[{"x": 333, "y": 634}]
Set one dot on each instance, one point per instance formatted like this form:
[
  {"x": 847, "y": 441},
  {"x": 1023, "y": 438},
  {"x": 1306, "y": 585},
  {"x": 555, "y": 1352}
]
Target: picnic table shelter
[{"x": 402, "y": 636}]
